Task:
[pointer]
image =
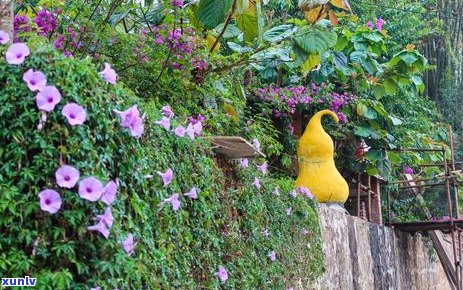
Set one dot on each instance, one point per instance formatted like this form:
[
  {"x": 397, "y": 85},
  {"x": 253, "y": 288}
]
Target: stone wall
[{"x": 361, "y": 255}]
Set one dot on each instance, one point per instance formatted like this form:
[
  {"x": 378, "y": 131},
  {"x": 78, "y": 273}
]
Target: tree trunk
[{"x": 6, "y": 16}]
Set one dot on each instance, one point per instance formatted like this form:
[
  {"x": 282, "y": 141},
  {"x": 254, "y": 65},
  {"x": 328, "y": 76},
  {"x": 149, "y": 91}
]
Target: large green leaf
[
  {"x": 315, "y": 41},
  {"x": 247, "y": 22},
  {"x": 212, "y": 12},
  {"x": 278, "y": 33}
]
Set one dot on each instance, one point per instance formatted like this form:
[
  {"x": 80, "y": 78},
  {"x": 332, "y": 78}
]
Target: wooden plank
[{"x": 234, "y": 147}]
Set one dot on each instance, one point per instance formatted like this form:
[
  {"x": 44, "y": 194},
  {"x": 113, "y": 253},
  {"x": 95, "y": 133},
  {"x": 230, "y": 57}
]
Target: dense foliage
[{"x": 257, "y": 69}]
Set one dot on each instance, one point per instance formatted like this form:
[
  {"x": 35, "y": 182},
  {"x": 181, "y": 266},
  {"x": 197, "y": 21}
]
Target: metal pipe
[{"x": 358, "y": 195}]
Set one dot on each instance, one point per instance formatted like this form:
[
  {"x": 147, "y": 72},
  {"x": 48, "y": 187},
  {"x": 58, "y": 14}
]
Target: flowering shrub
[
  {"x": 94, "y": 198},
  {"x": 288, "y": 99}
]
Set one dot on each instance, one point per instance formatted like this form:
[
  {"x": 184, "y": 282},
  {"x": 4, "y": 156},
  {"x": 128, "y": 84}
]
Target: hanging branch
[
  {"x": 171, "y": 48},
  {"x": 227, "y": 22}
]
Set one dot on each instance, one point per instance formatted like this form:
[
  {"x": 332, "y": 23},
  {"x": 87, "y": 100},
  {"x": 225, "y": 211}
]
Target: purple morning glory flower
[
  {"x": 256, "y": 144},
  {"x": 127, "y": 244},
  {"x": 305, "y": 191},
  {"x": 50, "y": 200},
  {"x": 256, "y": 183},
  {"x": 131, "y": 119},
  {"x": 100, "y": 227},
  {"x": 107, "y": 218},
  {"x": 222, "y": 274},
  {"x": 265, "y": 233},
  {"x": 90, "y": 189},
  {"x": 173, "y": 200},
  {"x": 4, "y": 37},
  {"x": 190, "y": 131},
  {"x": 105, "y": 222},
  {"x": 67, "y": 176},
  {"x": 166, "y": 111},
  {"x": 109, "y": 193},
  {"x": 47, "y": 98},
  {"x": 35, "y": 80},
  {"x": 166, "y": 176},
  {"x": 370, "y": 24},
  {"x": 272, "y": 255},
  {"x": 108, "y": 74},
  {"x": 164, "y": 122},
  {"x": 293, "y": 193},
  {"x": 193, "y": 194},
  {"x": 288, "y": 211},
  {"x": 263, "y": 167},
  {"x": 74, "y": 113},
  {"x": 244, "y": 162},
  {"x": 16, "y": 53},
  {"x": 180, "y": 131},
  {"x": 198, "y": 127}
]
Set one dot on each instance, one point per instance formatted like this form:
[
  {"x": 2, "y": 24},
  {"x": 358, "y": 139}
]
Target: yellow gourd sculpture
[{"x": 317, "y": 170}]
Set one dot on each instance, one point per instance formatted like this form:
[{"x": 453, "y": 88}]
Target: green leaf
[
  {"x": 395, "y": 121},
  {"x": 231, "y": 32},
  {"x": 279, "y": 33},
  {"x": 212, "y": 12},
  {"x": 247, "y": 22},
  {"x": 241, "y": 6},
  {"x": 363, "y": 131},
  {"x": 375, "y": 36},
  {"x": 390, "y": 86},
  {"x": 408, "y": 57},
  {"x": 315, "y": 41},
  {"x": 238, "y": 48},
  {"x": 365, "y": 111}
]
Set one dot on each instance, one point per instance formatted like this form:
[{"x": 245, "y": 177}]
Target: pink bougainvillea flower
[
  {"x": 47, "y": 98},
  {"x": 198, "y": 128},
  {"x": 67, "y": 176},
  {"x": 244, "y": 162},
  {"x": 370, "y": 24},
  {"x": 293, "y": 193},
  {"x": 173, "y": 200},
  {"x": 35, "y": 80},
  {"x": 4, "y": 37},
  {"x": 288, "y": 211},
  {"x": 74, "y": 113},
  {"x": 100, "y": 227},
  {"x": 164, "y": 122},
  {"x": 166, "y": 176},
  {"x": 256, "y": 144},
  {"x": 305, "y": 191},
  {"x": 50, "y": 200},
  {"x": 128, "y": 245},
  {"x": 108, "y": 74},
  {"x": 109, "y": 193},
  {"x": 190, "y": 131},
  {"x": 263, "y": 167},
  {"x": 407, "y": 170},
  {"x": 176, "y": 3},
  {"x": 379, "y": 24},
  {"x": 272, "y": 255},
  {"x": 180, "y": 131},
  {"x": 265, "y": 233},
  {"x": 193, "y": 193},
  {"x": 166, "y": 111},
  {"x": 90, "y": 189},
  {"x": 222, "y": 274},
  {"x": 276, "y": 191},
  {"x": 256, "y": 183},
  {"x": 16, "y": 53}
]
